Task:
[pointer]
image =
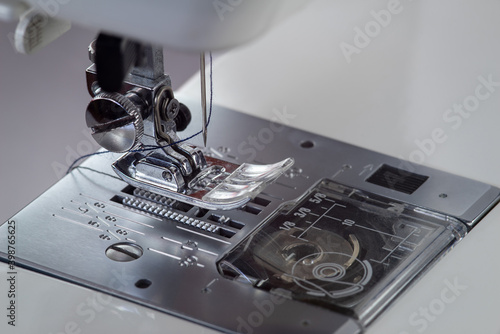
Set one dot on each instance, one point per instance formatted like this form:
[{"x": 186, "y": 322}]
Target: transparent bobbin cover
[{"x": 343, "y": 249}]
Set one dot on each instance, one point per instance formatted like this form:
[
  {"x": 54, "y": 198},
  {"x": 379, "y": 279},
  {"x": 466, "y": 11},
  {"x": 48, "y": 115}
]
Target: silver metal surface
[
  {"x": 90, "y": 228},
  {"x": 150, "y": 63},
  {"x": 115, "y": 121}
]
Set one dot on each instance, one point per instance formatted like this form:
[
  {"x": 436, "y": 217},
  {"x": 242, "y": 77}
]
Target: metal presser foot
[{"x": 133, "y": 110}]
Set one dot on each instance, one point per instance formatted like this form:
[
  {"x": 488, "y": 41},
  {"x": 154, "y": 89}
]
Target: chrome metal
[
  {"x": 115, "y": 121},
  {"x": 159, "y": 161},
  {"x": 150, "y": 63},
  {"x": 92, "y": 51},
  {"x": 172, "y": 109},
  {"x": 150, "y": 170},
  {"x": 124, "y": 252}
]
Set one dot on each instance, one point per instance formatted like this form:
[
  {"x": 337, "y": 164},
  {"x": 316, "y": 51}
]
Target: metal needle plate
[{"x": 94, "y": 230}]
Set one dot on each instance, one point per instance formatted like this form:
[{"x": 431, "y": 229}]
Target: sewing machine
[{"x": 398, "y": 236}]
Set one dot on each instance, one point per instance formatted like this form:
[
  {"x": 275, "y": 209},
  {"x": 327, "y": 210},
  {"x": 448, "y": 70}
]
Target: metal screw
[
  {"x": 167, "y": 176},
  {"x": 172, "y": 109}
]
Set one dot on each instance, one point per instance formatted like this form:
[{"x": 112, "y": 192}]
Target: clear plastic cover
[
  {"x": 246, "y": 182},
  {"x": 342, "y": 249}
]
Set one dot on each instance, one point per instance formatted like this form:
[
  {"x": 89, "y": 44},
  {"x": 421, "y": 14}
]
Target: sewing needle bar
[{"x": 203, "y": 98}]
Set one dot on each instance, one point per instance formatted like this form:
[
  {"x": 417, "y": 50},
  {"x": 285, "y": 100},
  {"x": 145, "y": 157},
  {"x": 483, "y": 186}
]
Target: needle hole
[
  {"x": 143, "y": 283},
  {"x": 307, "y": 144}
]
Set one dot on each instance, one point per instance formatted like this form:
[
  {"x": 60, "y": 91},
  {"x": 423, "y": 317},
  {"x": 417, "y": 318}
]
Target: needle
[{"x": 203, "y": 98}]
